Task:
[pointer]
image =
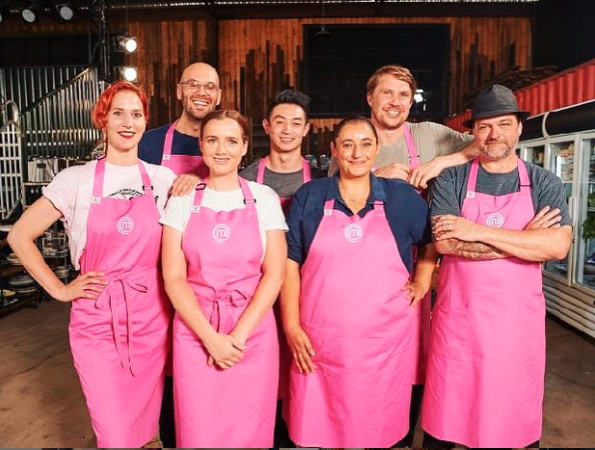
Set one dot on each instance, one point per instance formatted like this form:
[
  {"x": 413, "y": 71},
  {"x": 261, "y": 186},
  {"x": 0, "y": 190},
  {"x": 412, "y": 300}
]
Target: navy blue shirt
[
  {"x": 150, "y": 147},
  {"x": 406, "y": 212}
]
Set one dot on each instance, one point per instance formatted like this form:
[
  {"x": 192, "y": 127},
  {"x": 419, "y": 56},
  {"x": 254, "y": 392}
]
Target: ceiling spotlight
[
  {"x": 323, "y": 32},
  {"x": 127, "y": 73},
  {"x": 65, "y": 11},
  {"x": 125, "y": 44},
  {"x": 4, "y": 11},
  {"x": 31, "y": 13}
]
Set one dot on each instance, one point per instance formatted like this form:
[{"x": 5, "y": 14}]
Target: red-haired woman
[{"x": 119, "y": 316}]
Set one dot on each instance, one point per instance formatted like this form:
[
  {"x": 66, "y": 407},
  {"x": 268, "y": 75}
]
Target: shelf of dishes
[
  {"x": 16, "y": 285},
  {"x": 23, "y": 279}
]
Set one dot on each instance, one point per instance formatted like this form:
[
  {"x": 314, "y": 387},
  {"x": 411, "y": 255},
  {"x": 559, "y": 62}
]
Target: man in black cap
[{"x": 495, "y": 219}]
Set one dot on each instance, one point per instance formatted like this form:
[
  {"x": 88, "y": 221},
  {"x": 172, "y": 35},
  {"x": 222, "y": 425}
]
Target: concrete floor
[{"x": 41, "y": 403}]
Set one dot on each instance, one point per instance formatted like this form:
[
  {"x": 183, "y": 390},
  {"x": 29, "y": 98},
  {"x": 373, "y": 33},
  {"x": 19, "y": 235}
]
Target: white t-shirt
[
  {"x": 268, "y": 208},
  {"x": 71, "y": 190}
]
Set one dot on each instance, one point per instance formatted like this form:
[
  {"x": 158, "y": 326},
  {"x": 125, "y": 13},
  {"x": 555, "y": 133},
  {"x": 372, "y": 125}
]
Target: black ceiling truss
[{"x": 246, "y": 9}]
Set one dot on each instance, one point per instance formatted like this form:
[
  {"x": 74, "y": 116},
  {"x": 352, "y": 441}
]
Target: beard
[{"x": 497, "y": 154}]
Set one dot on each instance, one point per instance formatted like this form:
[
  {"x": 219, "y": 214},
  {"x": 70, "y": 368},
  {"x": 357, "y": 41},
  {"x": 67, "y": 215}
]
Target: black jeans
[
  {"x": 417, "y": 393},
  {"x": 167, "y": 426}
]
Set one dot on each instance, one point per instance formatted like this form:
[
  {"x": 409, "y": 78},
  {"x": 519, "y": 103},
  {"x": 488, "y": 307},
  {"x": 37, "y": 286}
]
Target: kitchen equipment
[
  {"x": 20, "y": 281},
  {"x": 13, "y": 259},
  {"x": 62, "y": 272},
  {"x": 25, "y": 290},
  {"x": 41, "y": 169}
]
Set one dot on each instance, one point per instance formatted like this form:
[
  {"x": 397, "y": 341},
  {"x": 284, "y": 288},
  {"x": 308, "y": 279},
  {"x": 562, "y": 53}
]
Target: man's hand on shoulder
[
  {"x": 393, "y": 171},
  {"x": 421, "y": 175},
  {"x": 184, "y": 184}
]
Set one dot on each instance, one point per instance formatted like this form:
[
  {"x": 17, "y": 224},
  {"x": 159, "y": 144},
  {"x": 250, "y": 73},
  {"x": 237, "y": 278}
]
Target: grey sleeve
[
  {"x": 250, "y": 172},
  {"x": 550, "y": 191},
  {"x": 446, "y": 193},
  {"x": 449, "y": 141}
]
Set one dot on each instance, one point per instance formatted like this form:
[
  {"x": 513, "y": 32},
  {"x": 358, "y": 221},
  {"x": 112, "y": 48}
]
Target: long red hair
[{"x": 104, "y": 104}]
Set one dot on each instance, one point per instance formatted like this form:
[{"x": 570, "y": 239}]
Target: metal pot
[{"x": 41, "y": 169}]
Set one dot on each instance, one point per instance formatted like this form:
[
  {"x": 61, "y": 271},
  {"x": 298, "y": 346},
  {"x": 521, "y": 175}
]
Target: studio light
[
  {"x": 60, "y": 11},
  {"x": 419, "y": 96},
  {"x": 31, "y": 13},
  {"x": 125, "y": 44},
  {"x": 4, "y": 11},
  {"x": 65, "y": 11},
  {"x": 127, "y": 73}
]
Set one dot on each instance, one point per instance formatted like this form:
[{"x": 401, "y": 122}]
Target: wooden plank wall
[
  {"x": 164, "y": 50},
  {"x": 259, "y": 57}
]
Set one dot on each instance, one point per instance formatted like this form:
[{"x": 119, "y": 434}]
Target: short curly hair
[{"x": 292, "y": 97}]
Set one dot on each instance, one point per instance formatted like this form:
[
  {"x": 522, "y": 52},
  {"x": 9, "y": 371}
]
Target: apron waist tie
[
  {"x": 109, "y": 297},
  {"x": 222, "y": 305}
]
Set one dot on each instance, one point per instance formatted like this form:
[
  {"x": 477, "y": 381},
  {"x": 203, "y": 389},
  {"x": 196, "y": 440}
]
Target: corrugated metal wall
[{"x": 575, "y": 85}]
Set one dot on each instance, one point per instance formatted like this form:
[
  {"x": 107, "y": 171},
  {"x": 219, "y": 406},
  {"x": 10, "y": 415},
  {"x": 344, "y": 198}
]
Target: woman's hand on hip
[
  {"x": 89, "y": 285},
  {"x": 224, "y": 350},
  {"x": 301, "y": 348},
  {"x": 415, "y": 292}
]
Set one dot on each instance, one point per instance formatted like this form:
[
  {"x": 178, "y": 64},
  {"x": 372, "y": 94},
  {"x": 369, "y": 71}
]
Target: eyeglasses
[{"x": 194, "y": 86}]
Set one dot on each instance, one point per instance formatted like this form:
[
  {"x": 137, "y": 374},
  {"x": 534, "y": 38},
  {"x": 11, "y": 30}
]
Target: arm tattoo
[{"x": 476, "y": 251}]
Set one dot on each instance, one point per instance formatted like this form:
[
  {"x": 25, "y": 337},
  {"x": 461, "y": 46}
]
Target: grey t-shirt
[
  {"x": 431, "y": 140},
  {"x": 450, "y": 189},
  {"x": 284, "y": 184}
]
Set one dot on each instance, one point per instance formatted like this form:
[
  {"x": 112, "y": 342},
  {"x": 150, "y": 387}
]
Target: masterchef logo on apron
[
  {"x": 221, "y": 233},
  {"x": 495, "y": 220},
  {"x": 353, "y": 232},
  {"x": 125, "y": 225}
]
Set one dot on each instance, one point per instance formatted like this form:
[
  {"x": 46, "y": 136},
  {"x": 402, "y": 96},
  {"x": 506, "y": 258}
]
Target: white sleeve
[
  {"x": 268, "y": 206},
  {"x": 177, "y": 212},
  {"x": 62, "y": 192},
  {"x": 162, "y": 178}
]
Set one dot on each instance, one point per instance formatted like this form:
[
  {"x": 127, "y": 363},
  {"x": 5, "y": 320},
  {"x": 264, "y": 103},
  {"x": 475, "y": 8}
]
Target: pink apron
[
  {"x": 359, "y": 322},
  {"x": 285, "y": 356},
  {"x": 421, "y": 323},
  {"x": 182, "y": 164},
  {"x": 120, "y": 341},
  {"x": 233, "y": 407},
  {"x": 486, "y": 363},
  {"x": 285, "y": 201}
]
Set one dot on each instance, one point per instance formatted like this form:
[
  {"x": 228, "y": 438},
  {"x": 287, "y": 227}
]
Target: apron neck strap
[
  {"x": 147, "y": 185},
  {"x": 261, "y": 166},
  {"x": 414, "y": 159},
  {"x": 329, "y": 206},
  {"x": 249, "y": 199},
  {"x": 525, "y": 182},
  {"x": 472, "y": 182},
  {"x": 379, "y": 208},
  {"x": 169, "y": 140},
  {"x": 98, "y": 180},
  {"x": 307, "y": 171}
]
